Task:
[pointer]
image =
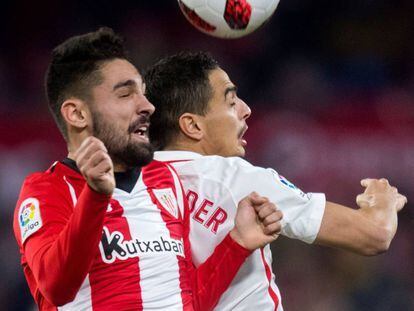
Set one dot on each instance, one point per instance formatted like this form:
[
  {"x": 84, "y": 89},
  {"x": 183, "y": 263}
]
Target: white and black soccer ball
[{"x": 228, "y": 18}]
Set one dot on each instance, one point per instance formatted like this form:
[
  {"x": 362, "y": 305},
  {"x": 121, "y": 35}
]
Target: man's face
[
  {"x": 225, "y": 122},
  {"x": 120, "y": 114}
]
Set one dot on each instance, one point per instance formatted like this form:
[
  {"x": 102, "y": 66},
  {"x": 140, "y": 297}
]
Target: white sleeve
[{"x": 302, "y": 212}]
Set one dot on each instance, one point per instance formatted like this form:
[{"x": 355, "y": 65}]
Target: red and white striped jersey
[
  {"x": 214, "y": 185},
  {"x": 81, "y": 250}
]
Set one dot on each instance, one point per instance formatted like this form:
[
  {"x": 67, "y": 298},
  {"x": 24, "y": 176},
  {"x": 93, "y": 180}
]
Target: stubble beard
[{"x": 121, "y": 147}]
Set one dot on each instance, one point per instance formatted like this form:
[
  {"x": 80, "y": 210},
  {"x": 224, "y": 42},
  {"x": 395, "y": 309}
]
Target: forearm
[
  {"x": 212, "y": 278},
  {"x": 366, "y": 231},
  {"x": 61, "y": 265}
]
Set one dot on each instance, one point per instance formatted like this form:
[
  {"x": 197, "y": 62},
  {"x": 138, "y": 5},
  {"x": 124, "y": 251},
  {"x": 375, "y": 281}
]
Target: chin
[
  {"x": 239, "y": 152},
  {"x": 136, "y": 154},
  {"x": 242, "y": 154}
]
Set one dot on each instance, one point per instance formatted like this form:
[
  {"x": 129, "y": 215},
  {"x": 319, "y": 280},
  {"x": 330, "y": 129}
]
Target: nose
[
  {"x": 144, "y": 106},
  {"x": 244, "y": 110}
]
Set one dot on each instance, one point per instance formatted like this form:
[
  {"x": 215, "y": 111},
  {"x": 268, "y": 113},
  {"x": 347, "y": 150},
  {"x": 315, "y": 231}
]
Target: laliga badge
[
  {"x": 29, "y": 218},
  {"x": 167, "y": 199},
  {"x": 288, "y": 184}
]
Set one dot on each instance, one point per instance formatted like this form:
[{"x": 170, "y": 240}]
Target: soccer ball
[{"x": 228, "y": 18}]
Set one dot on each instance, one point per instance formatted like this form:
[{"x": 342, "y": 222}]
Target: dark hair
[
  {"x": 74, "y": 68},
  {"x": 175, "y": 85}
]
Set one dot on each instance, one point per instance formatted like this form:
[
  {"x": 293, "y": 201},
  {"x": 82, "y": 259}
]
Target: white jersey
[{"x": 214, "y": 185}]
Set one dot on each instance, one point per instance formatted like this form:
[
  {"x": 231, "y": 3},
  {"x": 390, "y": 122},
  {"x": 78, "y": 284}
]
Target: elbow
[
  {"x": 58, "y": 293},
  {"x": 59, "y": 299},
  {"x": 380, "y": 243}
]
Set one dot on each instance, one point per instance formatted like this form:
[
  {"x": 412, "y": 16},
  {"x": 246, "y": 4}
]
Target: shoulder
[
  {"x": 41, "y": 195},
  {"x": 158, "y": 174},
  {"x": 228, "y": 172},
  {"x": 27, "y": 213},
  {"x": 37, "y": 181},
  {"x": 214, "y": 164},
  {"x": 156, "y": 170},
  {"x": 48, "y": 188},
  {"x": 226, "y": 169},
  {"x": 41, "y": 182}
]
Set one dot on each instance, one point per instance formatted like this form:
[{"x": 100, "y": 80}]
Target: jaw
[{"x": 240, "y": 152}]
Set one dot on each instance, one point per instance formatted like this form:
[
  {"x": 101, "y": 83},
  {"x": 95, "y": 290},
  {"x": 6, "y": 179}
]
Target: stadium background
[{"x": 331, "y": 86}]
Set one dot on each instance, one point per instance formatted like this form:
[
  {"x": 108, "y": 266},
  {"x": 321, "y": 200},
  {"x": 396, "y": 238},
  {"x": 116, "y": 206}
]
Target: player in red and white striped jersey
[
  {"x": 88, "y": 245},
  {"x": 199, "y": 115}
]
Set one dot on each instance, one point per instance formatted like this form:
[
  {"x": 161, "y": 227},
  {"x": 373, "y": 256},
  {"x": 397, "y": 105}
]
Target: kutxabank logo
[{"x": 113, "y": 246}]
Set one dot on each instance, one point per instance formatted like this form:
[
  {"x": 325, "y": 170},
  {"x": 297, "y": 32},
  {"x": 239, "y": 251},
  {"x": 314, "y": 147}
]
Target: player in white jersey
[{"x": 198, "y": 115}]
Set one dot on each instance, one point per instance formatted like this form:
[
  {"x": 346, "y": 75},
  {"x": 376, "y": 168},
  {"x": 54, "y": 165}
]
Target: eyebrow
[
  {"x": 124, "y": 83},
  {"x": 229, "y": 90}
]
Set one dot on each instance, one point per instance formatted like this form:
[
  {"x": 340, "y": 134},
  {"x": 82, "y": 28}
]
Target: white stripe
[
  {"x": 159, "y": 273},
  {"x": 269, "y": 260},
  {"x": 72, "y": 192},
  {"x": 83, "y": 299},
  {"x": 178, "y": 190}
]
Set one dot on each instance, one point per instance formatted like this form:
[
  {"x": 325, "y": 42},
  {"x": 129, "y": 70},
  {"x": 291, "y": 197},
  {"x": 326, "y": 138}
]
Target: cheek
[
  {"x": 227, "y": 132},
  {"x": 121, "y": 122},
  {"x": 220, "y": 128},
  {"x": 223, "y": 127},
  {"x": 119, "y": 112}
]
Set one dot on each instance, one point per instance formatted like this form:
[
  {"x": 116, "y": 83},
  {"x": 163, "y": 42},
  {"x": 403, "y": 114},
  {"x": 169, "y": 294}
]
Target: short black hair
[
  {"x": 74, "y": 68},
  {"x": 175, "y": 85}
]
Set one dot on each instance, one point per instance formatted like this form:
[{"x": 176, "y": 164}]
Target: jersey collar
[
  {"x": 175, "y": 155},
  {"x": 63, "y": 169}
]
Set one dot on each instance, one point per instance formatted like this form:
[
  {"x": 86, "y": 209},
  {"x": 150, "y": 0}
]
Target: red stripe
[
  {"x": 158, "y": 176},
  {"x": 118, "y": 282},
  {"x": 272, "y": 293}
]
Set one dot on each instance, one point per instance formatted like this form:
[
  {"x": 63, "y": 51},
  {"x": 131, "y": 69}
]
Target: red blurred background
[{"x": 331, "y": 87}]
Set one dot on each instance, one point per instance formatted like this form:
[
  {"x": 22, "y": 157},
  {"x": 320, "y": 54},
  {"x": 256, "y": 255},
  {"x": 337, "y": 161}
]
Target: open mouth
[
  {"x": 141, "y": 131},
  {"x": 242, "y": 140}
]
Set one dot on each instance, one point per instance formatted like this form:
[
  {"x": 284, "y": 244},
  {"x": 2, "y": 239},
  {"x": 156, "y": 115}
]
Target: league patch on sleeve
[
  {"x": 290, "y": 185},
  {"x": 29, "y": 218}
]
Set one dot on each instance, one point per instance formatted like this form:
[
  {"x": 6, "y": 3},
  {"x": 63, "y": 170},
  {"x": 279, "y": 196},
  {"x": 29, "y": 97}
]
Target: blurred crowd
[{"x": 331, "y": 87}]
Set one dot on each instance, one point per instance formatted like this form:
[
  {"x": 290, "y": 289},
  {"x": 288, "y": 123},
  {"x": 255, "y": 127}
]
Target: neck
[
  {"x": 182, "y": 146},
  {"x": 119, "y": 168}
]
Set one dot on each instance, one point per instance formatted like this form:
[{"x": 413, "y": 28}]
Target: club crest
[{"x": 168, "y": 201}]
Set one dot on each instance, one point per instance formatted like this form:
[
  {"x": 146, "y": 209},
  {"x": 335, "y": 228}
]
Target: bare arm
[{"x": 368, "y": 230}]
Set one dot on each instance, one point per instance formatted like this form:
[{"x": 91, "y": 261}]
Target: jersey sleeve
[
  {"x": 56, "y": 237},
  {"x": 302, "y": 212}
]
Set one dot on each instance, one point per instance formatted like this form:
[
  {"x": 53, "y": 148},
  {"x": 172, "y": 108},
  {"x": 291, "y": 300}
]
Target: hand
[
  {"x": 380, "y": 203},
  {"x": 95, "y": 165},
  {"x": 257, "y": 222},
  {"x": 379, "y": 193}
]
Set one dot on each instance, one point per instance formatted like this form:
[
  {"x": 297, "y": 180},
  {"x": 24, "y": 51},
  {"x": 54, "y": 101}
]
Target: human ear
[
  {"x": 191, "y": 125},
  {"x": 75, "y": 113}
]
